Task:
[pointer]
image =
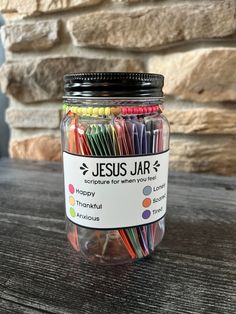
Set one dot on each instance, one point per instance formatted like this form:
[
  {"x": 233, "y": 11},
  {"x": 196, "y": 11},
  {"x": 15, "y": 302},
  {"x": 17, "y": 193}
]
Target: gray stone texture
[
  {"x": 202, "y": 120},
  {"x": 37, "y": 118},
  {"x": 30, "y": 36},
  {"x": 42, "y": 79},
  {"x": 204, "y": 154},
  {"x": 154, "y": 28},
  {"x": 23, "y": 8},
  {"x": 42, "y": 147},
  {"x": 202, "y": 75}
]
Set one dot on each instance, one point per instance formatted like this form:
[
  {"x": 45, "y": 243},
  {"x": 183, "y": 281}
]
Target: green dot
[{"x": 72, "y": 212}]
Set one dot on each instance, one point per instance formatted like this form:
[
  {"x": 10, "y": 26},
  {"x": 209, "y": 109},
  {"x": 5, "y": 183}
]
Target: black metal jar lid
[{"x": 113, "y": 84}]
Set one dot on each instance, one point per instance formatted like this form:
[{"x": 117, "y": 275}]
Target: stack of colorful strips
[{"x": 133, "y": 131}]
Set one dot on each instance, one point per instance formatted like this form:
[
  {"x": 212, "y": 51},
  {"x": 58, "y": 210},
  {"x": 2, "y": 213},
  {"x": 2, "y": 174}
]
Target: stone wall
[{"x": 191, "y": 42}]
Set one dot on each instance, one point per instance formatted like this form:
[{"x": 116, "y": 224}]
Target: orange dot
[
  {"x": 71, "y": 200},
  {"x": 147, "y": 202}
]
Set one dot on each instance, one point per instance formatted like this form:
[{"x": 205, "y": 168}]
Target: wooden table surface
[{"x": 193, "y": 271}]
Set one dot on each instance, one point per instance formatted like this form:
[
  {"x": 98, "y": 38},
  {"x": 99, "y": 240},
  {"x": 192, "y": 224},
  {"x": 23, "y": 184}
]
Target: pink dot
[
  {"x": 129, "y": 110},
  {"x": 124, "y": 110},
  {"x": 144, "y": 110},
  {"x": 140, "y": 110},
  {"x": 149, "y": 108},
  {"x": 71, "y": 188}
]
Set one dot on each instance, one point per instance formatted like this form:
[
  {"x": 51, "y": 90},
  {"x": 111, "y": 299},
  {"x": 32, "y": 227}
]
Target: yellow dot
[
  {"x": 78, "y": 110},
  {"x": 95, "y": 111},
  {"x": 101, "y": 111},
  {"x": 74, "y": 109},
  {"x": 71, "y": 200},
  {"x": 84, "y": 111},
  {"x": 90, "y": 110},
  {"x": 107, "y": 111}
]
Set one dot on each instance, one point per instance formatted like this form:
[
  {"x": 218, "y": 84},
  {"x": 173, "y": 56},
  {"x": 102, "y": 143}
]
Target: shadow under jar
[{"x": 115, "y": 142}]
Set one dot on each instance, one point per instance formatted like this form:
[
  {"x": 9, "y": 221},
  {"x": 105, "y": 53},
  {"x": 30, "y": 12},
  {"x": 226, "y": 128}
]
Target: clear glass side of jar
[{"x": 110, "y": 246}]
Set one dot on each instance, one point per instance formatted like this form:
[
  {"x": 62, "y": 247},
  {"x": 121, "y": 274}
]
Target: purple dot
[{"x": 146, "y": 214}]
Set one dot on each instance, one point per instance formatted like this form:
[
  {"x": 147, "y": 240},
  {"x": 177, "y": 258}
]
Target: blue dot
[
  {"x": 146, "y": 214},
  {"x": 147, "y": 190}
]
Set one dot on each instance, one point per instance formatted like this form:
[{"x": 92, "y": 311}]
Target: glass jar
[{"x": 115, "y": 142}]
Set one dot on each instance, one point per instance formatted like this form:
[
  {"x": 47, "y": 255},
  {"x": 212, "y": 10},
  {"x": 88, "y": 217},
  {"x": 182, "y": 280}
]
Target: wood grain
[{"x": 193, "y": 271}]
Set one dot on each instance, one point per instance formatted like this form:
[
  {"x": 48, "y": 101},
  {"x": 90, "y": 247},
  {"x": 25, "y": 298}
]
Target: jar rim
[
  {"x": 113, "y": 84},
  {"x": 115, "y": 98}
]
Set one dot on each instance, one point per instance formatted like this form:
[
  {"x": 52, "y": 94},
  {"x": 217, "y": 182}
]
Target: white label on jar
[{"x": 115, "y": 192}]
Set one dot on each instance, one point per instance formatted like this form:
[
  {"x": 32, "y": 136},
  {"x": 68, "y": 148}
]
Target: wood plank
[{"x": 192, "y": 272}]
